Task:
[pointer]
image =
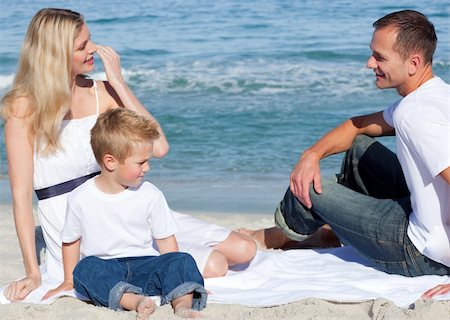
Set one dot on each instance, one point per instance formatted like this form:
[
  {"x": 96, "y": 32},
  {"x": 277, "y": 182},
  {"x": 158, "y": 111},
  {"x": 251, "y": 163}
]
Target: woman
[{"x": 48, "y": 116}]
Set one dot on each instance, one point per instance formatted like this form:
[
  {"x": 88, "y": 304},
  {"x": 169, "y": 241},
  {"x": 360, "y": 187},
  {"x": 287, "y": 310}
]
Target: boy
[{"x": 111, "y": 220}]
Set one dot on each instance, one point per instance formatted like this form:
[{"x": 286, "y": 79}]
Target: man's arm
[
  {"x": 307, "y": 169},
  {"x": 71, "y": 256},
  {"x": 167, "y": 245}
]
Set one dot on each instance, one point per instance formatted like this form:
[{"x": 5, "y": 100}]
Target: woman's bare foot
[
  {"x": 145, "y": 308},
  {"x": 270, "y": 238},
  {"x": 185, "y": 312},
  {"x": 274, "y": 238}
]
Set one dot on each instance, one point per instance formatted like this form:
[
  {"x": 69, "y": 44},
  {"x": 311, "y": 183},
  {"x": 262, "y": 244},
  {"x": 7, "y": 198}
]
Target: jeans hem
[
  {"x": 199, "y": 299},
  {"x": 116, "y": 293},
  {"x": 281, "y": 224}
]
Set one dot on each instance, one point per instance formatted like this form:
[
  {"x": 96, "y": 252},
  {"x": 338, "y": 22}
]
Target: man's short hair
[
  {"x": 415, "y": 33},
  {"x": 119, "y": 131}
]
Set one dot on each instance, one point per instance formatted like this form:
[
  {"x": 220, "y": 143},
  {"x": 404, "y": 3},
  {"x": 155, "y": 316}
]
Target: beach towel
[{"x": 280, "y": 277}]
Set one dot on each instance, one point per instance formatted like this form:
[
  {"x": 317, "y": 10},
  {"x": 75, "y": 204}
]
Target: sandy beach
[{"x": 69, "y": 308}]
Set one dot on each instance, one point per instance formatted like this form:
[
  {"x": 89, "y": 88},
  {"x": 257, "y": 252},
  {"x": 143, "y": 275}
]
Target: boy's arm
[
  {"x": 167, "y": 245},
  {"x": 71, "y": 256}
]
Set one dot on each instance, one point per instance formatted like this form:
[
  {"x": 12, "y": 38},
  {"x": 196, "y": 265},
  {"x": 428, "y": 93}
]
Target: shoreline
[{"x": 200, "y": 199}]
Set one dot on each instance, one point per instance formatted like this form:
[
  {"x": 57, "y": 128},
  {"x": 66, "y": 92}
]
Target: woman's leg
[
  {"x": 237, "y": 248},
  {"x": 211, "y": 263},
  {"x": 216, "y": 265}
]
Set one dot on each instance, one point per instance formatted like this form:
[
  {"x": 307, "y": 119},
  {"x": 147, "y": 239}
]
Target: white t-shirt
[
  {"x": 117, "y": 225},
  {"x": 422, "y": 125}
]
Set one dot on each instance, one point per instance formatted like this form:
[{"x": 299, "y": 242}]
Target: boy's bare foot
[
  {"x": 185, "y": 312},
  {"x": 145, "y": 308}
]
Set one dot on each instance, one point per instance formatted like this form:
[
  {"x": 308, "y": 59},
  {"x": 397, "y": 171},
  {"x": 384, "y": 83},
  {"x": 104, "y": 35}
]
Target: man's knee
[
  {"x": 294, "y": 218},
  {"x": 361, "y": 144}
]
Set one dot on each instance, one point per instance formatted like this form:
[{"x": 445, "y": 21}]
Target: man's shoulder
[
  {"x": 430, "y": 94},
  {"x": 435, "y": 83}
]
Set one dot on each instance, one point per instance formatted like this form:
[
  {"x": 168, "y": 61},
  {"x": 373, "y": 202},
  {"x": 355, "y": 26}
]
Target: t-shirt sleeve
[
  {"x": 72, "y": 224},
  {"x": 161, "y": 219},
  {"x": 388, "y": 114},
  {"x": 432, "y": 144}
]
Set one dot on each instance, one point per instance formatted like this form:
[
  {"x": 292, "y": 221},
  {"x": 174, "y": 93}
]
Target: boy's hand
[{"x": 65, "y": 286}]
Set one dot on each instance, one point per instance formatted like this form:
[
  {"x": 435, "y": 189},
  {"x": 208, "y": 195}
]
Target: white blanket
[{"x": 280, "y": 277}]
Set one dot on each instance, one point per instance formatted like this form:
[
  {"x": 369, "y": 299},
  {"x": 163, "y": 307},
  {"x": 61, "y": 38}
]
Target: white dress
[{"x": 75, "y": 160}]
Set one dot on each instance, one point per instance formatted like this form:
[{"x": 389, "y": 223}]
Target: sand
[{"x": 11, "y": 267}]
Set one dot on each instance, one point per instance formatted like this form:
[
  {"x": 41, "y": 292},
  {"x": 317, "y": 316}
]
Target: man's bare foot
[
  {"x": 145, "y": 308},
  {"x": 185, "y": 312},
  {"x": 323, "y": 237}
]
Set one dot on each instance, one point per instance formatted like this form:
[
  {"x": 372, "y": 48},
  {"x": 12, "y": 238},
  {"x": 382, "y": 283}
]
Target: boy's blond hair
[{"x": 118, "y": 131}]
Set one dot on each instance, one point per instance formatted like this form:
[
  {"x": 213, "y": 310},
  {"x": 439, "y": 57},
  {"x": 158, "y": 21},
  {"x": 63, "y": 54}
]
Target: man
[{"x": 395, "y": 210}]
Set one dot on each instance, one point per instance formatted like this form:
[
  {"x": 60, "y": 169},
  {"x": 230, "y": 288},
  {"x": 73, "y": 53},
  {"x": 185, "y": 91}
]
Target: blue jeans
[
  {"x": 170, "y": 276},
  {"x": 367, "y": 207}
]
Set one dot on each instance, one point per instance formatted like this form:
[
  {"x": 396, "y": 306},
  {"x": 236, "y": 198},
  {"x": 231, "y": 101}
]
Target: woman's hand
[
  {"x": 19, "y": 290},
  {"x": 111, "y": 63},
  {"x": 65, "y": 286}
]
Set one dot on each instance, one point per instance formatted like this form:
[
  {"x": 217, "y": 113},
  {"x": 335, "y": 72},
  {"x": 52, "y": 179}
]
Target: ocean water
[{"x": 241, "y": 88}]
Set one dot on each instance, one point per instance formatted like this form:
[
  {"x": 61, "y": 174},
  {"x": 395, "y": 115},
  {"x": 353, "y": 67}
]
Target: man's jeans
[
  {"x": 170, "y": 276},
  {"x": 367, "y": 207}
]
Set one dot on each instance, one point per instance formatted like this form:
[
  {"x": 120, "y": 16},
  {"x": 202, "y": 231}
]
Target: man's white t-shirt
[
  {"x": 422, "y": 125},
  {"x": 117, "y": 225}
]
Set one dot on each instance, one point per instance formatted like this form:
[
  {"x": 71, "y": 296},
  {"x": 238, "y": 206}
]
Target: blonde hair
[
  {"x": 119, "y": 131},
  {"x": 44, "y": 75}
]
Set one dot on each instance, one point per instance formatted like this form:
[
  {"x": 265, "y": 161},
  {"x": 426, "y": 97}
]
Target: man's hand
[
  {"x": 306, "y": 171},
  {"x": 438, "y": 290}
]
